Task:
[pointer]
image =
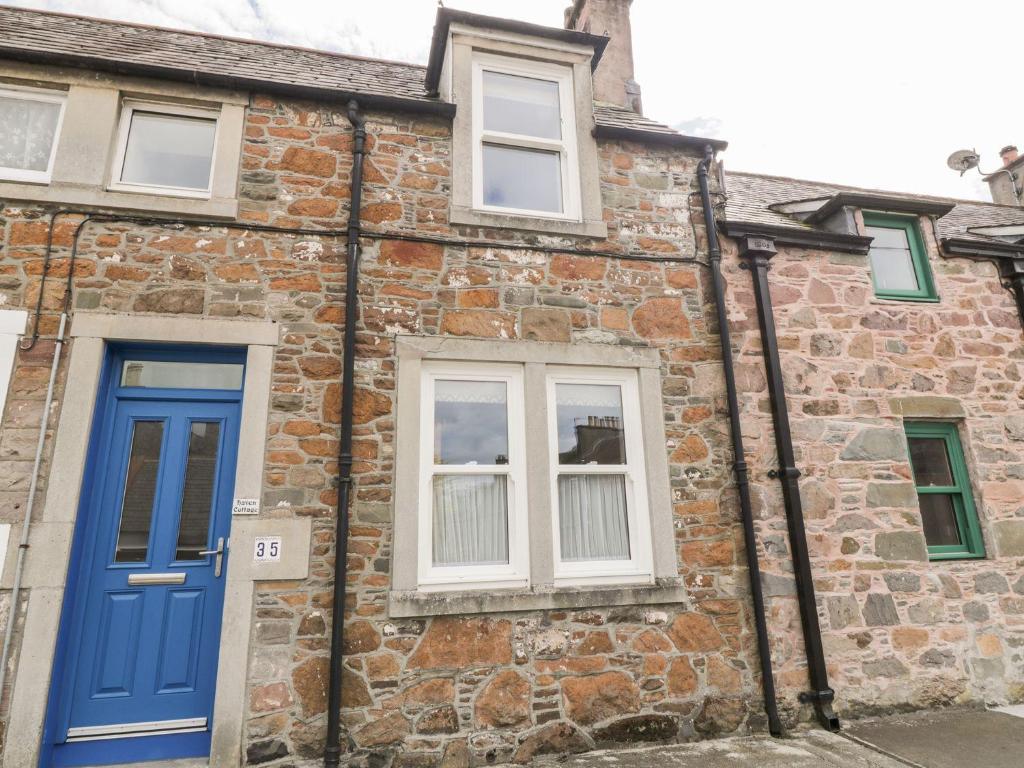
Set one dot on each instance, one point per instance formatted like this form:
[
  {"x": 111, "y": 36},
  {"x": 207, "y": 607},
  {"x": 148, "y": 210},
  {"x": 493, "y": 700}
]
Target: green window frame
[
  {"x": 919, "y": 258},
  {"x": 966, "y": 516}
]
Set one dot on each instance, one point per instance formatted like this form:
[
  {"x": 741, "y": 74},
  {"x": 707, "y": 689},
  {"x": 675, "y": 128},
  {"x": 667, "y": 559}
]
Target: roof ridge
[
  {"x": 851, "y": 187},
  {"x": 209, "y": 35}
]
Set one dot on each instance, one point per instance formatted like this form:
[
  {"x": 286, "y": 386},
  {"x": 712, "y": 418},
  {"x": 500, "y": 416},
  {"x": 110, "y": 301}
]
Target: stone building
[{"x": 550, "y": 540}]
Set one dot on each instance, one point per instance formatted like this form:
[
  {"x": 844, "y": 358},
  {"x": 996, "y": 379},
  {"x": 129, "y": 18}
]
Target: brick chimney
[
  {"x": 1007, "y": 184},
  {"x": 613, "y": 79}
]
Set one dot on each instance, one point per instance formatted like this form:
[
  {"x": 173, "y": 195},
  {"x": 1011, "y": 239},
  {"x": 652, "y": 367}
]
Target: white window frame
[
  {"x": 47, "y": 96},
  {"x": 516, "y": 573},
  {"x": 639, "y": 567},
  {"x": 565, "y": 147},
  {"x": 128, "y": 108}
]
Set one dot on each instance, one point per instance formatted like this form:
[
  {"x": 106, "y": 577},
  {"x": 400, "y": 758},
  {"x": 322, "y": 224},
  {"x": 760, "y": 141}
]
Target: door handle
[{"x": 219, "y": 552}]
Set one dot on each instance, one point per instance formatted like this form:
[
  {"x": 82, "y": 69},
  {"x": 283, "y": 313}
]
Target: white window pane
[
  {"x": 527, "y": 179},
  {"x": 891, "y": 261},
  {"x": 28, "y": 129},
  {"x": 470, "y": 520},
  {"x": 178, "y": 375},
  {"x": 589, "y": 418},
  {"x": 522, "y": 105},
  {"x": 169, "y": 151},
  {"x": 470, "y": 422},
  {"x": 592, "y": 521}
]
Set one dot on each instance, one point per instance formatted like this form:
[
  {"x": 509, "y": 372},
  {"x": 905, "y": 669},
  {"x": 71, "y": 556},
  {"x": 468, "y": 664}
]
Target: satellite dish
[{"x": 963, "y": 160}]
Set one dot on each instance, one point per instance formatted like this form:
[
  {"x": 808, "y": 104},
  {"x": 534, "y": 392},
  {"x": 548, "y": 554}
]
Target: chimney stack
[
  {"x": 1007, "y": 184},
  {"x": 613, "y": 79}
]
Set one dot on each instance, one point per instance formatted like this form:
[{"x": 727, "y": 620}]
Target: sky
[{"x": 869, "y": 93}]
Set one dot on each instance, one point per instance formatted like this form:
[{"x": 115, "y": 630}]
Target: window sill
[
  {"x": 468, "y": 216},
  {"x": 72, "y": 195},
  {"x": 905, "y": 299},
  {"x": 410, "y": 604}
]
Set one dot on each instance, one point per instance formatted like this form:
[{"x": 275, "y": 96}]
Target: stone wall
[
  {"x": 900, "y": 632},
  {"x": 467, "y": 690},
  {"x": 462, "y": 688}
]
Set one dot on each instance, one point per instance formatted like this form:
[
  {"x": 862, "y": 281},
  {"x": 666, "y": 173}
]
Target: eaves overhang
[
  {"x": 800, "y": 238},
  {"x": 891, "y": 203},
  {"x": 448, "y": 16},
  {"x": 215, "y": 80}
]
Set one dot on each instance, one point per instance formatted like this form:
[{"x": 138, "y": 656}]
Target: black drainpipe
[
  {"x": 332, "y": 749},
  {"x": 1012, "y": 271},
  {"x": 758, "y": 251},
  {"x": 739, "y": 463}
]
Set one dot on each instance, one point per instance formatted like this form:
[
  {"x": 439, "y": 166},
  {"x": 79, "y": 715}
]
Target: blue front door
[{"x": 140, "y": 650}]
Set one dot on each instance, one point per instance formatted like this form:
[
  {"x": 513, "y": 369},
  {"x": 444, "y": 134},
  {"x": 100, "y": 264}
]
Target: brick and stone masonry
[{"x": 468, "y": 690}]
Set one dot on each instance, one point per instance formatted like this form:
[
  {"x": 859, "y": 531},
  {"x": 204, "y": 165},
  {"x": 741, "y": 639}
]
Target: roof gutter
[
  {"x": 816, "y": 239},
  {"x": 620, "y": 133},
  {"x": 881, "y": 202},
  {"x": 209, "y": 79}
]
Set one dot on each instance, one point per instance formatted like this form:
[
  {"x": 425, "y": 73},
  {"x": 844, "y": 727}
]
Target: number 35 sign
[{"x": 267, "y": 549}]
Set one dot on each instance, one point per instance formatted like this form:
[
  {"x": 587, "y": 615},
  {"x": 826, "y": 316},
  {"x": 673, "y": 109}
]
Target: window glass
[
  {"x": 180, "y": 375},
  {"x": 938, "y": 516},
  {"x": 527, "y": 179},
  {"x": 169, "y": 151},
  {"x": 470, "y": 422},
  {"x": 197, "y": 494},
  {"x": 892, "y": 263},
  {"x": 28, "y": 130},
  {"x": 592, "y": 519},
  {"x": 589, "y": 420},
  {"x": 470, "y": 525},
  {"x": 523, "y": 105},
  {"x": 930, "y": 461},
  {"x": 139, "y": 492}
]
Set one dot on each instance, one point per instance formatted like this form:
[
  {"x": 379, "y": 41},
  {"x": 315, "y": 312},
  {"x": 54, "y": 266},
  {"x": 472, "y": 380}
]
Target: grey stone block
[
  {"x": 876, "y": 444},
  {"x": 901, "y": 545},
  {"x": 891, "y": 495},
  {"x": 880, "y": 611}
]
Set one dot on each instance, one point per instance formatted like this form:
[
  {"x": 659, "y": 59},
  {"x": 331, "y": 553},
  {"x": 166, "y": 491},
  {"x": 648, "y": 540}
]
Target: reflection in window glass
[
  {"x": 180, "y": 375},
  {"x": 589, "y": 418},
  {"x": 527, "y": 179},
  {"x": 470, "y": 525},
  {"x": 523, "y": 105},
  {"x": 592, "y": 517},
  {"x": 470, "y": 422},
  {"x": 892, "y": 263},
  {"x": 169, "y": 151},
  {"x": 930, "y": 461},
  {"x": 28, "y": 129},
  {"x": 197, "y": 494},
  {"x": 139, "y": 492}
]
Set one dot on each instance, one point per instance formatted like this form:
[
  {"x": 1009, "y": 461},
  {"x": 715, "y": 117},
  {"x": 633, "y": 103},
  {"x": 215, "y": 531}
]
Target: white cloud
[{"x": 875, "y": 93}]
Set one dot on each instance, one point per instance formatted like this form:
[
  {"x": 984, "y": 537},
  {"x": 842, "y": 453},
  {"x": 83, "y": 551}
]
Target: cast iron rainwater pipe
[
  {"x": 739, "y": 462},
  {"x": 332, "y": 748},
  {"x": 757, "y": 253}
]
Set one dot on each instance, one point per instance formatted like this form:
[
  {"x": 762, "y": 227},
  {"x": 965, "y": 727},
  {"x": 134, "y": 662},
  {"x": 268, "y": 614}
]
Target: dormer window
[
  {"x": 524, "y": 132},
  {"x": 899, "y": 263}
]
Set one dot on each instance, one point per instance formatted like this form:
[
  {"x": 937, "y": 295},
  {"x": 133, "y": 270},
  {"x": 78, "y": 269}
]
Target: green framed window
[
  {"x": 899, "y": 264},
  {"x": 948, "y": 515}
]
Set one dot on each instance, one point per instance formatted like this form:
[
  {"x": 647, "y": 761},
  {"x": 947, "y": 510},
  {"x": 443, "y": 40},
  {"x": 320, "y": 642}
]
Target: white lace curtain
[
  {"x": 470, "y": 520},
  {"x": 592, "y": 517},
  {"x": 27, "y": 129}
]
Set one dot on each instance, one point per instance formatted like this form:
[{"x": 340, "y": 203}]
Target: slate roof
[
  {"x": 749, "y": 198},
  {"x": 70, "y": 40}
]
